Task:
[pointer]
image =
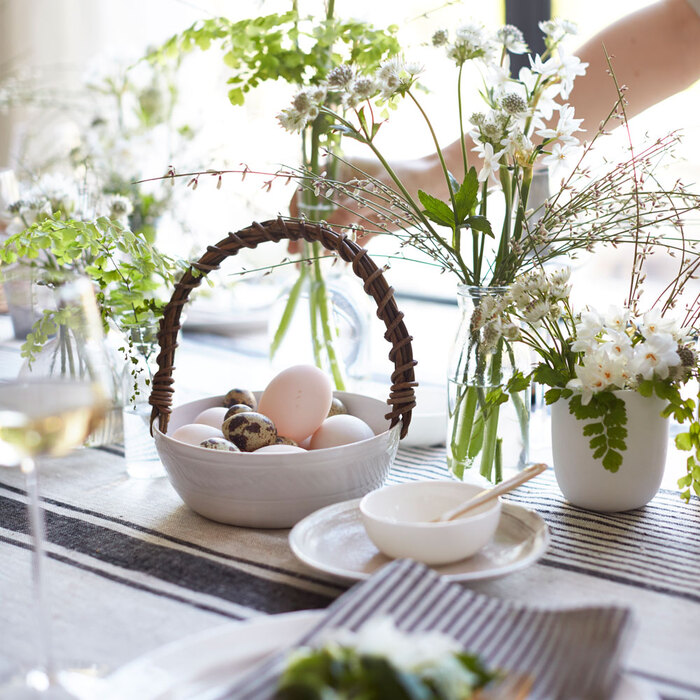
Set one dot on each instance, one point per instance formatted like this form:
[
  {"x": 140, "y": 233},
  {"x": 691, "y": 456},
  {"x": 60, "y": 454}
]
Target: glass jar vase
[{"x": 488, "y": 425}]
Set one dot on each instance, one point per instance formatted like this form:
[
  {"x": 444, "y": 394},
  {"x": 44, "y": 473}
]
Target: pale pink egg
[
  {"x": 340, "y": 430},
  {"x": 194, "y": 433},
  {"x": 278, "y": 449},
  {"x": 297, "y": 400},
  {"x": 212, "y": 416}
]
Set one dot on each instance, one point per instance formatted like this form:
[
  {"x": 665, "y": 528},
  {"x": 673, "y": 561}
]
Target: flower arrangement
[
  {"x": 585, "y": 357},
  {"x": 515, "y": 133},
  {"x": 380, "y": 661}
]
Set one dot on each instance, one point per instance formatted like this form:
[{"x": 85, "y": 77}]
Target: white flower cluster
[
  {"x": 519, "y": 107},
  {"x": 394, "y": 76},
  {"x": 537, "y": 296},
  {"x": 618, "y": 351}
]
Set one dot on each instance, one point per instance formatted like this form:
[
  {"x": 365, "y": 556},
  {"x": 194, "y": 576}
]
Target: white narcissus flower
[
  {"x": 491, "y": 159},
  {"x": 654, "y": 322},
  {"x": 617, "y": 318},
  {"x": 619, "y": 345},
  {"x": 656, "y": 355},
  {"x": 566, "y": 126},
  {"x": 563, "y": 155},
  {"x": 568, "y": 69}
]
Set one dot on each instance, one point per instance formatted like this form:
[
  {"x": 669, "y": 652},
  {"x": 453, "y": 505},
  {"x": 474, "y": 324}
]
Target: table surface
[{"x": 131, "y": 568}]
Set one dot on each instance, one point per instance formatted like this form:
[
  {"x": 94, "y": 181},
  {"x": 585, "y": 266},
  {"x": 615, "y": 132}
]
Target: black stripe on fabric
[
  {"x": 665, "y": 566},
  {"x": 111, "y": 449},
  {"x": 613, "y": 538},
  {"x": 180, "y": 568},
  {"x": 124, "y": 581},
  {"x": 556, "y": 507},
  {"x": 547, "y": 561},
  {"x": 186, "y": 543}
]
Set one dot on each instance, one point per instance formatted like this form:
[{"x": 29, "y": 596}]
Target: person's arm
[{"x": 655, "y": 53}]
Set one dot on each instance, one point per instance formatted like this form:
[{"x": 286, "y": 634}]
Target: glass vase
[
  {"x": 140, "y": 454},
  {"x": 62, "y": 356},
  {"x": 488, "y": 427}
]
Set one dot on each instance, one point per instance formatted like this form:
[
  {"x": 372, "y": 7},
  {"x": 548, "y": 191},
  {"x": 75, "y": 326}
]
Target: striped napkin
[{"x": 569, "y": 654}]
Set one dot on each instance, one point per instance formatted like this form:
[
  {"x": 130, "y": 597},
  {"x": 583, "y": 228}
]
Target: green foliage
[
  {"x": 689, "y": 441},
  {"x": 341, "y": 672},
  {"x": 128, "y": 271},
  {"x": 283, "y": 46},
  {"x": 607, "y": 418},
  {"x": 465, "y": 200}
]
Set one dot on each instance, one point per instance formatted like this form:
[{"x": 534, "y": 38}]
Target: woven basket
[{"x": 402, "y": 395}]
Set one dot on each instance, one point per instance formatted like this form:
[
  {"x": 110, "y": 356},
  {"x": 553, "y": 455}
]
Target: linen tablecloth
[{"x": 131, "y": 567}]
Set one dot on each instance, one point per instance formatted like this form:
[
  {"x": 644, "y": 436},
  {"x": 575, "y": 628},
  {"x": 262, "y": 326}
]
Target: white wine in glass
[{"x": 48, "y": 414}]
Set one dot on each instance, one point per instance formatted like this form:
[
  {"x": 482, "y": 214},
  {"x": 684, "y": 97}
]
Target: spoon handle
[{"x": 486, "y": 496}]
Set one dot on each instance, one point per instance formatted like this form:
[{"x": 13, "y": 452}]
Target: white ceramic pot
[
  {"x": 586, "y": 483},
  {"x": 276, "y": 490}
]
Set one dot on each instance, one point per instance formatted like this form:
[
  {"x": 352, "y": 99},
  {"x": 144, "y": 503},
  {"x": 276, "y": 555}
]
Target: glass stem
[{"x": 38, "y": 534}]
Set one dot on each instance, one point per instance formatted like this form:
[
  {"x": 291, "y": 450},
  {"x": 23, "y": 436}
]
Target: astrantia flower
[
  {"x": 556, "y": 29},
  {"x": 440, "y": 37},
  {"x": 119, "y": 207},
  {"x": 513, "y": 104},
  {"x": 392, "y": 77},
  {"x": 511, "y": 38},
  {"x": 655, "y": 356},
  {"x": 341, "y": 77},
  {"x": 292, "y": 120},
  {"x": 471, "y": 42},
  {"x": 536, "y": 311}
]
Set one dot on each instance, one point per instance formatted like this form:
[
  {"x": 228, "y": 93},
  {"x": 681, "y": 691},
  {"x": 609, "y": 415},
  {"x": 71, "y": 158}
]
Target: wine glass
[{"x": 47, "y": 412}]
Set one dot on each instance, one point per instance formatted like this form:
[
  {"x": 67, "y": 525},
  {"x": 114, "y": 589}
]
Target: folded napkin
[{"x": 569, "y": 654}]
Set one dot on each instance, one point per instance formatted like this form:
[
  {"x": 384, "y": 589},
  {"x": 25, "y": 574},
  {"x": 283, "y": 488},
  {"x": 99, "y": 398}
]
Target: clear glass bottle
[
  {"x": 488, "y": 428},
  {"x": 142, "y": 461}
]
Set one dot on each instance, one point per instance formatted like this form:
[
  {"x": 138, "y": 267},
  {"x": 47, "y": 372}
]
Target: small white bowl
[
  {"x": 276, "y": 490},
  {"x": 397, "y": 520}
]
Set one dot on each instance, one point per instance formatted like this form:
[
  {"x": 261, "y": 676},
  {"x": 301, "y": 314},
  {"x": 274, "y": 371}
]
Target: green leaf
[
  {"x": 612, "y": 461},
  {"x": 465, "y": 197},
  {"x": 480, "y": 223},
  {"x": 683, "y": 441},
  {"x": 436, "y": 210},
  {"x": 593, "y": 429}
]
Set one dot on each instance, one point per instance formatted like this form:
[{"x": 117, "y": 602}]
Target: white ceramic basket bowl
[{"x": 276, "y": 490}]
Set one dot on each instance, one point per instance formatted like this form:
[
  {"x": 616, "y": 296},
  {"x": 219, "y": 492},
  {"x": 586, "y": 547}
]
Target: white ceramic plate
[
  {"x": 333, "y": 540},
  {"x": 200, "y": 666}
]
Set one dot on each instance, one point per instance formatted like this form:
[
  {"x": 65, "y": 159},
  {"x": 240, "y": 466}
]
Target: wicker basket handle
[{"x": 402, "y": 395}]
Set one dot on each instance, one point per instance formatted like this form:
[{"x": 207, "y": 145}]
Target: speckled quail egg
[
  {"x": 338, "y": 408},
  {"x": 240, "y": 396},
  {"x": 237, "y": 408},
  {"x": 286, "y": 441},
  {"x": 249, "y": 431},
  {"x": 221, "y": 444}
]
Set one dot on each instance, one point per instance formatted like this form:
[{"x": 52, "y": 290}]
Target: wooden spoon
[{"x": 486, "y": 496}]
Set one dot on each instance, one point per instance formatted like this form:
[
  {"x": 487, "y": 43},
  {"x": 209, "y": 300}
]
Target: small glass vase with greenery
[{"x": 129, "y": 274}]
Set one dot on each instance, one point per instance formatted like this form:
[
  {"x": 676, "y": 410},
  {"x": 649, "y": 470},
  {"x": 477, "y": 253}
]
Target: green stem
[
  {"x": 289, "y": 309},
  {"x": 491, "y": 416},
  {"x": 465, "y": 160},
  {"x": 462, "y": 425}
]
